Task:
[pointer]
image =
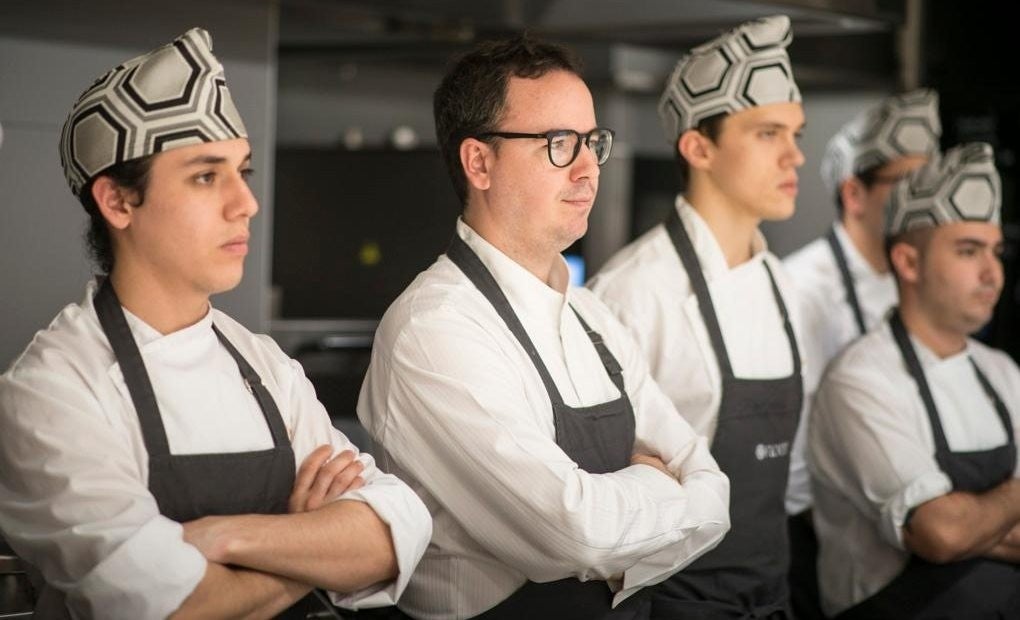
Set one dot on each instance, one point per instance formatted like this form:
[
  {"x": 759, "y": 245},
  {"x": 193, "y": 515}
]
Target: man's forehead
[
  {"x": 789, "y": 115},
  {"x": 556, "y": 100},
  {"x": 227, "y": 151},
  {"x": 959, "y": 232}
]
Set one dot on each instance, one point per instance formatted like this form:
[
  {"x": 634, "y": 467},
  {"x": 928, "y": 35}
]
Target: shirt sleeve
[
  {"x": 393, "y": 501},
  {"x": 700, "y": 502},
  {"x": 73, "y": 502},
  {"x": 457, "y": 416},
  {"x": 864, "y": 444}
]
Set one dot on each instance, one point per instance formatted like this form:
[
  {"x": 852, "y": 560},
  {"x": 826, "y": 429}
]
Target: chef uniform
[
  {"x": 115, "y": 434},
  {"x": 841, "y": 295},
  {"x": 513, "y": 409},
  {"x": 895, "y": 426},
  {"x": 720, "y": 340}
]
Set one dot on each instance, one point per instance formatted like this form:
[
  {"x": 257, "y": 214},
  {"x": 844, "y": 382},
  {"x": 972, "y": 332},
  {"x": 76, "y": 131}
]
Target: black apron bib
[
  {"x": 848, "y": 281},
  {"x": 746, "y": 575},
  {"x": 599, "y": 438},
  {"x": 974, "y": 589},
  {"x": 190, "y": 486}
]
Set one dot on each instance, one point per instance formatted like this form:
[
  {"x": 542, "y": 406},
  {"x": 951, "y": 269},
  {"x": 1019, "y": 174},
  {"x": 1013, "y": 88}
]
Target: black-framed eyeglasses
[{"x": 563, "y": 145}]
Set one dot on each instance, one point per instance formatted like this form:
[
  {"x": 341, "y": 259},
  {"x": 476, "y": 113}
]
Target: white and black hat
[
  {"x": 171, "y": 97},
  {"x": 902, "y": 125},
  {"x": 961, "y": 186},
  {"x": 743, "y": 68}
]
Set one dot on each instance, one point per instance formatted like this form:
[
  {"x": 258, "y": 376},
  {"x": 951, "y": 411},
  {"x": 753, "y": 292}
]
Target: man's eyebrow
[
  {"x": 206, "y": 160},
  {"x": 972, "y": 241}
]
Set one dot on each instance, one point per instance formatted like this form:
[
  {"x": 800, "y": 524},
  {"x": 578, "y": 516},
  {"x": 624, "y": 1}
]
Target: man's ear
[
  {"x": 696, "y": 148},
  {"x": 906, "y": 261},
  {"x": 476, "y": 161},
  {"x": 853, "y": 192},
  {"x": 113, "y": 203}
]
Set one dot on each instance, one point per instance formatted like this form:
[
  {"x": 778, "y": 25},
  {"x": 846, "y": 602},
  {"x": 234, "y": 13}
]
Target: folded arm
[{"x": 963, "y": 525}]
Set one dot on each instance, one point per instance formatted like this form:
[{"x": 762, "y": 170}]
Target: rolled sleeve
[
  {"x": 410, "y": 528},
  {"x": 143, "y": 578},
  {"x": 894, "y": 513},
  {"x": 74, "y": 504}
]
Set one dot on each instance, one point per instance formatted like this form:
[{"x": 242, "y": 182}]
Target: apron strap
[
  {"x": 609, "y": 361},
  {"x": 1000, "y": 407},
  {"x": 125, "y": 350},
  {"x": 472, "y": 266},
  {"x": 253, "y": 382},
  {"x": 685, "y": 249},
  {"x": 465, "y": 258},
  {"x": 848, "y": 281},
  {"x": 899, "y": 332}
]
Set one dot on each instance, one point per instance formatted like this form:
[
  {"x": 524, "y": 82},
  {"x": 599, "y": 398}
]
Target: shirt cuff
[
  {"x": 894, "y": 514},
  {"x": 410, "y": 528},
  {"x": 700, "y": 526},
  {"x": 148, "y": 576}
]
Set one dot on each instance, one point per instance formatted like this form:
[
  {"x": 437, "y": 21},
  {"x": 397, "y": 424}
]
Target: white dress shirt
[
  {"x": 465, "y": 419},
  {"x": 828, "y": 326},
  {"x": 74, "y": 497},
  {"x": 871, "y": 452},
  {"x": 646, "y": 286}
]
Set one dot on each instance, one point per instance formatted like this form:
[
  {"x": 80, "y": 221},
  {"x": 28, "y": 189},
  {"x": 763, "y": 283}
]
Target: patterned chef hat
[
  {"x": 903, "y": 125},
  {"x": 171, "y": 97},
  {"x": 961, "y": 186},
  {"x": 744, "y": 68}
]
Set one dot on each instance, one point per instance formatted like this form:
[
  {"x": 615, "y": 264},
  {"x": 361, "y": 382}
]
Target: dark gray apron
[
  {"x": 975, "y": 589},
  {"x": 848, "y": 280},
  {"x": 599, "y": 438},
  {"x": 746, "y": 575},
  {"x": 189, "y": 486}
]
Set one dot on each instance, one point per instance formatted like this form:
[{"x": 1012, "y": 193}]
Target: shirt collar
[
  {"x": 526, "y": 293},
  {"x": 858, "y": 265},
  {"x": 706, "y": 246}
]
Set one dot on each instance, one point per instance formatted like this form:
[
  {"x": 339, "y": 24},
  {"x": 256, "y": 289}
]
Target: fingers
[
  {"x": 651, "y": 461},
  {"x": 340, "y": 471},
  {"x": 306, "y": 475},
  {"x": 320, "y": 478}
]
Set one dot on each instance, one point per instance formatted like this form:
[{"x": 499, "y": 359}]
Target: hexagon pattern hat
[
  {"x": 961, "y": 186},
  {"x": 903, "y": 125},
  {"x": 171, "y": 97},
  {"x": 743, "y": 68}
]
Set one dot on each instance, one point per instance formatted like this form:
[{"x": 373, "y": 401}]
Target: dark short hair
[
  {"x": 471, "y": 98},
  {"x": 918, "y": 238},
  {"x": 868, "y": 177},
  {"x": 131, "y": 175},
  {"x": 709, "y": 127}
]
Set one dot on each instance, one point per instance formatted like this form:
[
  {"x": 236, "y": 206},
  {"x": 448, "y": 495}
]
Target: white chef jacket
[
  {"x": 465, "y": 419},
  {"x": 74, "y": 498},
  {"x": 828, "y": 325},
  {"x": 871, "y": 451},
  {"x": 646, "y": 286}
]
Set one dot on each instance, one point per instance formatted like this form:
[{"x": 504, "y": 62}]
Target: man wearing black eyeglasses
[{"x": 561, "y": 479}]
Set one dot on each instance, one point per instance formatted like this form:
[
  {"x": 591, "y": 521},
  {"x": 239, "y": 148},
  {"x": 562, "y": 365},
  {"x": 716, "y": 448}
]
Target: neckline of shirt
[
  {"x": 148, "y": 337},
  {"x": 526, "y": 292},
  {"x": 858, "y": 265},
  {"x": 706, "y": 246}
]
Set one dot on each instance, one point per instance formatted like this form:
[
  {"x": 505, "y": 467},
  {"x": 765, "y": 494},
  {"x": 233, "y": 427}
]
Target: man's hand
[
  {"x": 320, "y": 478},
  {"x": 651, "y": 461}
]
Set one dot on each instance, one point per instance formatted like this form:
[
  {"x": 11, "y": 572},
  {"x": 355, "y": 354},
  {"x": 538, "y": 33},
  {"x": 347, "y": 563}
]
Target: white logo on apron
[{"x": 771, "y": 450}]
